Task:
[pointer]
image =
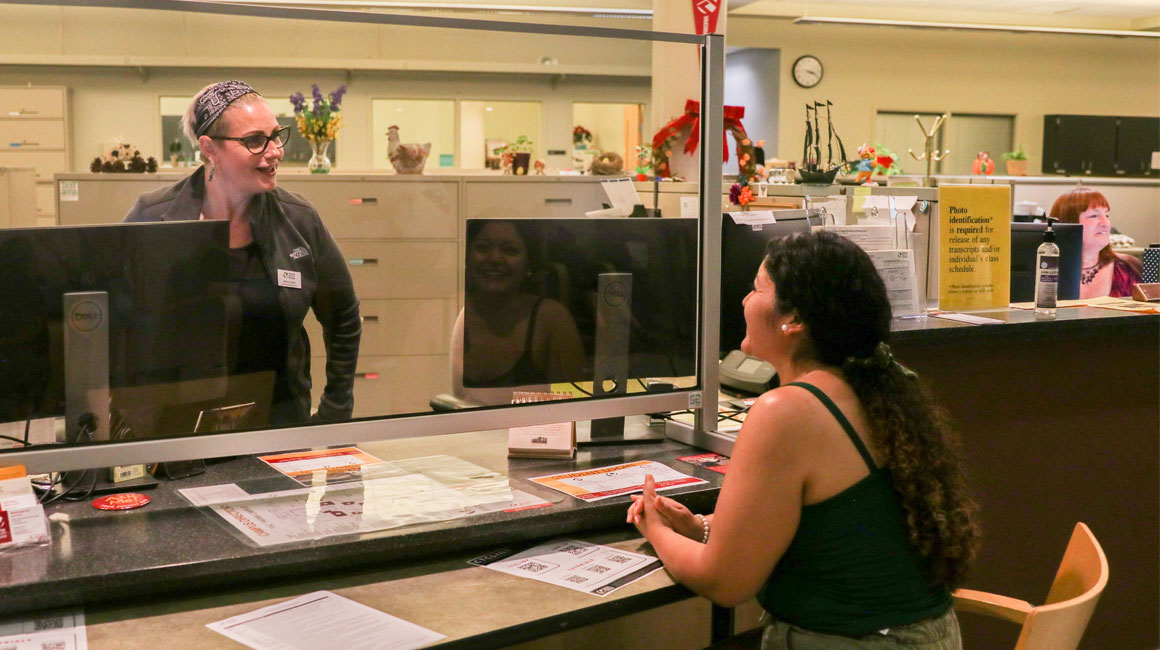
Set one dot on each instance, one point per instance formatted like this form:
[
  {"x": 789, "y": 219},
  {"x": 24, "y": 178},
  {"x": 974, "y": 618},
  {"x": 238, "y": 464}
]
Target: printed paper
[
  {"x": 616, "y": 480},
  {"x": 590, "y": 568}
]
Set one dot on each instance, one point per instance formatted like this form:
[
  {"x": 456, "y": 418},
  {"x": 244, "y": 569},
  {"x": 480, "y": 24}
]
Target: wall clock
[{"x": 807, "y": 71}]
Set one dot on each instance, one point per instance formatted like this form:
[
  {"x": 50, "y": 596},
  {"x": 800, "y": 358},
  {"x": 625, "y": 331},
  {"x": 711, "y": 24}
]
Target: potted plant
[
  {"x": 1016, "y": 162},
  {"x": 174, "y": 151},
  {"x": 581, "y": 137},
  {"x": 521, "y": 151}
]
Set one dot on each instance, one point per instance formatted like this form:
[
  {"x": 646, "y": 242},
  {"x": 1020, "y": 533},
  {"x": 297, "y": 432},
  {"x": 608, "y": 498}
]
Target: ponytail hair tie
[{"x": 880, "y": 360}]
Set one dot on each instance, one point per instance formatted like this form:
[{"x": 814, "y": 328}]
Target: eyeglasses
[{"x": 256, "y": 143}]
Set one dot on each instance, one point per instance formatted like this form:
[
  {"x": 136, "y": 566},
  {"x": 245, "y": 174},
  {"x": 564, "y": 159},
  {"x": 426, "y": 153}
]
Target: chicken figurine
[{"x": 406, "y": 158}]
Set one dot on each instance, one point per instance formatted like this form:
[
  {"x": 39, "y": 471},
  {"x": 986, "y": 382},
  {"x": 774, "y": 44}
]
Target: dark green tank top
[{"x": 850, "y": 569}]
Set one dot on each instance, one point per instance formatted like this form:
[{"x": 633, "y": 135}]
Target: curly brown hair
[{"x": 837, "y": 293}]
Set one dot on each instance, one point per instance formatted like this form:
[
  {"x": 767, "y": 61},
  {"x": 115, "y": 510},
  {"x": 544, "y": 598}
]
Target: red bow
[{"x": 692, "y": 117}]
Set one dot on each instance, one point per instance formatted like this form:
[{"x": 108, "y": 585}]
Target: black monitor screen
[
  {"x": 167, "y": 297},
  {"x": 530, "y": 308},
  {"x": 1025, "y": 241},
  {"x": 742, "y": 250}
]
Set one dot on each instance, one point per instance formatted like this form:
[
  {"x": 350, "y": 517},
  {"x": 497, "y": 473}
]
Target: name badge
[{"x": 289, "y": 279}]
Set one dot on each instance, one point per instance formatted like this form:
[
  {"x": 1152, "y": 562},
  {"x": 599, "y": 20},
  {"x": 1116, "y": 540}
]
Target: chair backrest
[{"x": 1060, "y": 622}]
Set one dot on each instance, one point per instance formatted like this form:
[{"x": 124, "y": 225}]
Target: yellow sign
[{"x": 974, "y": 246}]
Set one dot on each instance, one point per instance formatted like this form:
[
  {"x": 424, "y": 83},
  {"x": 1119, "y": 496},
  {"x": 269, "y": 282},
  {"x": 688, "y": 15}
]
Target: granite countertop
[
  {"x": 1020, "y": 324},
  {"x": 99, "y": 556}
]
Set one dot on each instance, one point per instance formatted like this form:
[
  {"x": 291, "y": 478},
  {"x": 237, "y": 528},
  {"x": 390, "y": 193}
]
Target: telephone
[{"x": 741, "y": 372}]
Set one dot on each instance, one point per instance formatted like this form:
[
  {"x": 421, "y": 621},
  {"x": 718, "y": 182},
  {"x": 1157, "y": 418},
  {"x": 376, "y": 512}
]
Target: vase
[
  {"x": 1016, "y": 167},
  {"x": 319, "y": 160},
  {"x": 520, "y": 162}
]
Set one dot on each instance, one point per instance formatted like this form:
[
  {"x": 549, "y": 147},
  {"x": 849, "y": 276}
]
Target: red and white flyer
[
  {"x": 616, "y": 480},
  {"x": 342, "y": 464}
]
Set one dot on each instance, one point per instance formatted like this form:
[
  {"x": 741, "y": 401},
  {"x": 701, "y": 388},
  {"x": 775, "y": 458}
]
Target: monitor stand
[{"x": 610, "y": 374}]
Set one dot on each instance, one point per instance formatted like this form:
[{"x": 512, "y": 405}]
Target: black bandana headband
[{"x": 215, "y": 100}]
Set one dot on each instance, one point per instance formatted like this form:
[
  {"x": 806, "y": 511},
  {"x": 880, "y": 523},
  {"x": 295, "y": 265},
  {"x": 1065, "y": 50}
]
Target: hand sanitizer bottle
[{"x": 1046, "y": 273}]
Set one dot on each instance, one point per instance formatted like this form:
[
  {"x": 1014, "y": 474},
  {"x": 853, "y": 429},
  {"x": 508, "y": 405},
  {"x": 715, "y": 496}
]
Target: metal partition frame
[{"x": 410, "y": 426}]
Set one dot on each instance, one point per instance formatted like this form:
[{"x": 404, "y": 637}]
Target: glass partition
[{"x": 336, "y": 316}]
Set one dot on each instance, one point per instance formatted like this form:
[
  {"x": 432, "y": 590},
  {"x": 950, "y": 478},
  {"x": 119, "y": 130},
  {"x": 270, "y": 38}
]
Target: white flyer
[
  {"x": 868, "y": 237},
  {"x": 590, "y": 568},
  {"x": 59, "y": 630},
  {"x": 756, "y": 218},
  {"x": 969, "y": 319},
  {"x": 897, "y": 270},
  {"x": 616, "y": 480},
  {"x": 322, "y": 620}
]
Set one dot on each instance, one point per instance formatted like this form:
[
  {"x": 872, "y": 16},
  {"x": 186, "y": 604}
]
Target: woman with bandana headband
[{"x": 283, "y": 262}]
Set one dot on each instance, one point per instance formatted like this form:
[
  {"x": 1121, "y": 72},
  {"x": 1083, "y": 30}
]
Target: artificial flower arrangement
[
  {"x": 123, "y": 157},
  {"x": 581, "y": 136},
  {"x": 740, "y": 195},
  {"x": 885, "y": 161},
  {"x": 642, "y": 167},
  {"x": 321, "y": 121}
]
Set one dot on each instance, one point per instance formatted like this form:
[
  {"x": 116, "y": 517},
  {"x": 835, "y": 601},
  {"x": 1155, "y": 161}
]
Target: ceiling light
[
  {"x": 489, "y": 109},
  {"x": 873, "y": 22}
]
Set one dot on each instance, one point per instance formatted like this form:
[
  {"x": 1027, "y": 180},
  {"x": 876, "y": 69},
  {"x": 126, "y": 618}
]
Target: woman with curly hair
[
  {"x": 1105, "y": 272},
  {"x": 844, "y": 510}
]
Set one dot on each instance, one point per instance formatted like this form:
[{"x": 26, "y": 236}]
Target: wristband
[{"x": 705, "y": 526}]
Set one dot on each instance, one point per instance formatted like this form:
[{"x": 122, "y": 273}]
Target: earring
[
  {"x": 785, "y": 328},
  {"x": 212, "y": 169}
]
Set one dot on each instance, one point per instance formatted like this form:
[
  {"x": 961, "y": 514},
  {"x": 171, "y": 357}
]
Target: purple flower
[
  {"x": 735, "y": 194},
  {"x": 336, "y": 97},
  {"x": 317, "y": 99},
  {"x": 299, "y": 102}
]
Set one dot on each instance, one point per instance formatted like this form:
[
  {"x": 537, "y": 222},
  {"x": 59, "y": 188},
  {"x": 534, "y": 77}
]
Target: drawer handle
[
  {"x": 23, "y": 111},
  {"x": 24, "y": 143},
  {"x": 364, "y": 261},
  {"x": 559, "y": 201},
  {"x": 366, "y": 200},
  {"x": 366, "y": 375},
  {"x": 370, "y": 318}
]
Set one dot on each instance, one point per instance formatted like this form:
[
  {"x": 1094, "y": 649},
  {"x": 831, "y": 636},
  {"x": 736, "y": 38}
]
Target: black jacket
[{"x": 291, "y": 237}]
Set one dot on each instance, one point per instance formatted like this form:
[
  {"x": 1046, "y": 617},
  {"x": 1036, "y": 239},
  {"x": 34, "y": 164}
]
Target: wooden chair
[{"x": 1059, "y": 623}]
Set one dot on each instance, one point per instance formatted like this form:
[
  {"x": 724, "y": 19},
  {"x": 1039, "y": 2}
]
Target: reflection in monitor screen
[
  {"x": 742, "y": 250},
  {"x": 531, "y": 297},
  {"x": 168, "y": 309}
]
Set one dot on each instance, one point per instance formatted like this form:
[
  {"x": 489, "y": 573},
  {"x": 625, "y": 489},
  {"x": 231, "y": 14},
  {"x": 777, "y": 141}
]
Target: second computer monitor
[
  {"x": 742, "y": 251},
  {"x": 1025, "y": 241}
]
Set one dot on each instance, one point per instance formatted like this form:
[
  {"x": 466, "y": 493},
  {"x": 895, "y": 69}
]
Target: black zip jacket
[{"x": 291, "y": 237}]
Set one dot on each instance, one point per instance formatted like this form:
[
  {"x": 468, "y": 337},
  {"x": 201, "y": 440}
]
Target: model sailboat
[{"x": 813, "y": 170}]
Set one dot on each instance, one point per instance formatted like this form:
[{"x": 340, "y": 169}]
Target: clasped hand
[{"x": 649, "y": 510}]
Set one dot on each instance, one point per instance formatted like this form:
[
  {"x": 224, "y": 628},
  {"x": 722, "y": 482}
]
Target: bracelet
[{"x": 705, "y": 526}]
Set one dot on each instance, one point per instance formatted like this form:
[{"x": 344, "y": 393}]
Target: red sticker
[{"x": 126, "y": 501}]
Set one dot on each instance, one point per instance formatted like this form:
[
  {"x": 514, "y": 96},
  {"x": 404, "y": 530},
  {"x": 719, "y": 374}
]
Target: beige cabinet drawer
[
  {"x": 31, "y": 134},
  {"x": 398, "y": 327},
  {"x": 530, "y": 199},
  {"x": 383, "y": 210},
  {"x": 46, "y": 163},
  {"x": 400, "y": 269},
  {"x": 105, "y": 201},
  {"x": 45, "y": 203},
  {"x": 32, "y": 102},
  {"x": 390, "y": 385}
]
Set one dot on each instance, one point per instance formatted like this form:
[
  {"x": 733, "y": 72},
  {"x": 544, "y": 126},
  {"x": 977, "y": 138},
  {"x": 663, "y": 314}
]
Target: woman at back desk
[{"x": 844, "y": 510}]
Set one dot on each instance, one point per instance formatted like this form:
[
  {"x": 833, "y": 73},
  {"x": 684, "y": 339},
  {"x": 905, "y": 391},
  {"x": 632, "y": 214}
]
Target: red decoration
[
  {"x": 691, "y": 121},
  {"x": 705, "y": 15}
]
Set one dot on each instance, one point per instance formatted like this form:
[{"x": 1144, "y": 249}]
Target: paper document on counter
[
  {"x": 591, "y": 568},
  {"x": 969, "y": 319},
  {"x": 616, "y": 480},
  {"x": 320, "y": 621},
  {"x": 61, "y": 630},
  {"x": 331, "y": 465}
]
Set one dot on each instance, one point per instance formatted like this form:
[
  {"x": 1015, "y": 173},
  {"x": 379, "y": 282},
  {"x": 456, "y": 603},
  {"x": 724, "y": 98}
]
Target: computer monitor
[
  {"x": 742, "y": 250},
  {"x": 1025, "y": 241},
  {"x": 565, "y": 259},
  {"x": 168, "y": 308}
]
